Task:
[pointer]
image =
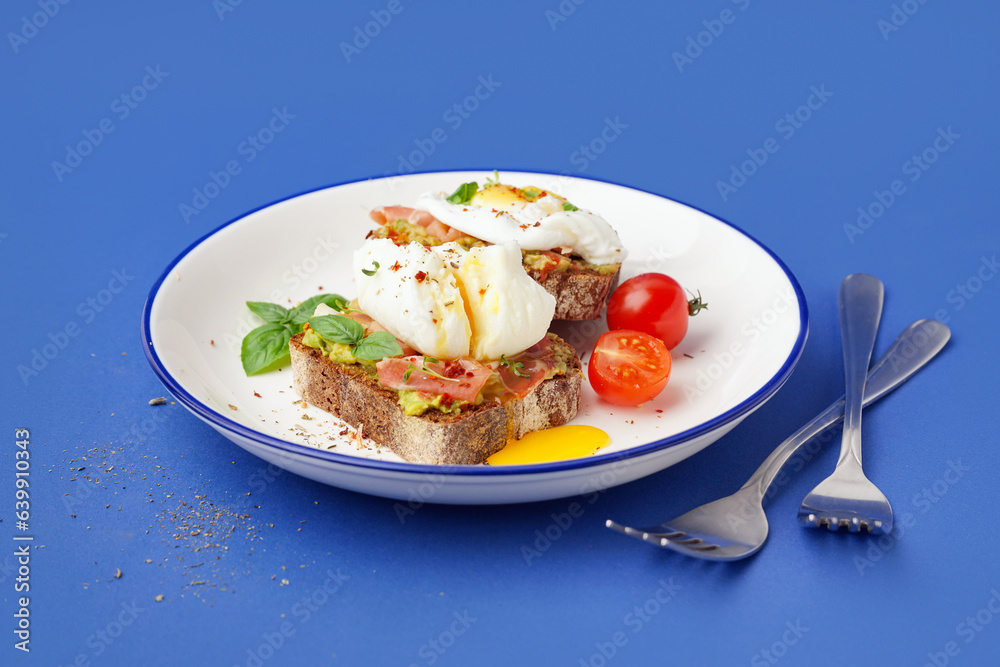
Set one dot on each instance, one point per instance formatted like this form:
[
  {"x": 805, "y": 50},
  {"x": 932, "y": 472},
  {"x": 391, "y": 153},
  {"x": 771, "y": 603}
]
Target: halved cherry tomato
[
  {"x": 629, "y": 367},
  {"x": 653, "y": 303}
]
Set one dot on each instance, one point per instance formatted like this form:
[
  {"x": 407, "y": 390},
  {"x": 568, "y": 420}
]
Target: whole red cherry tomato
[{"x": 653, "y": 303}]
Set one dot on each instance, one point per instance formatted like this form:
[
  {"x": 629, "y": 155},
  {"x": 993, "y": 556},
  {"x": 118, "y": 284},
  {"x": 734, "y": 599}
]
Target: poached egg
[
  {"x": 534, "y": 218},
  {"x": 448, "y": 302}
]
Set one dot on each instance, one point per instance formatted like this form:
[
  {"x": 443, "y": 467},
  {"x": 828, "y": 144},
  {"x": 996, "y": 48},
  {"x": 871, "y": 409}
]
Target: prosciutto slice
[
  {"x": 536, "y": 362},
  {"x": 464, "y": 377},
  {"x": 385, "y": 215}
]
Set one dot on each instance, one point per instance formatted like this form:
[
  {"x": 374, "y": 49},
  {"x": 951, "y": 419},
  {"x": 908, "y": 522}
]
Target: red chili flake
[
  {"x": 420, "y": 276},
  {"x": 211, "y": 342},
  {"x": 523, "y": 226},
  {"x": 659, "y": 410},
  {"x": 434, "y": 320},
  {"x": 453, "y": 370},
  {"x": 469, "y": 374},
  {"x": 256, "y": 394},
  {"x": 396, "y": 267},
  {"x": 482, "y": 291},
  {"x": 537, "y": 224},
  {"x": 464, "y": 384}
]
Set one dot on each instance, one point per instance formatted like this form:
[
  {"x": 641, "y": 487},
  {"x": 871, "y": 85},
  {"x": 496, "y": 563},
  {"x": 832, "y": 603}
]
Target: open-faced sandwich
[
  {"x": 469, "y": 363},
  {"x": 571, "y": 252}
]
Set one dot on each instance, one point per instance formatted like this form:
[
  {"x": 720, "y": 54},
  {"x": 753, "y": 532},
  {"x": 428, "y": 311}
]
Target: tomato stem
[{"x": 695, "y": 305}]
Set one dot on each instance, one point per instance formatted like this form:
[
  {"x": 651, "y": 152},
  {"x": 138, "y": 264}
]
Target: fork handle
[
  {"x": 917, "y": 345},
  {"x": 861, "y": 297}
]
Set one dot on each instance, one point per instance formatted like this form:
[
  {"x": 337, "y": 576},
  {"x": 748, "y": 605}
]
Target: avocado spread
[
  {"x": 402, "y": 231},
  {"x": 417, "y": 403},
  {"x": 339, "y": 352}
]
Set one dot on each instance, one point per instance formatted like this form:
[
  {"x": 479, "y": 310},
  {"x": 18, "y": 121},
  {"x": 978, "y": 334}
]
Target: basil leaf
[
  {"x": 378, "y": 345},
  {"x": 569, "y": 207},
  {"x": 301, "y": 313},
  {"x": 269, "y": 312},
  {"x": 338, "y": 329},
  {"x": 265, "y": 346},
  {"x": 464, "y": 193}
]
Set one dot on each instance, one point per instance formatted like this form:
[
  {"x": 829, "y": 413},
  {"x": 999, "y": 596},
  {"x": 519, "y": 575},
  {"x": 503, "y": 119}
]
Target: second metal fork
[{"x": 848, "y": 499}]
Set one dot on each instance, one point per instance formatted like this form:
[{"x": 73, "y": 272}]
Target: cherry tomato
[
  {"x": 629, "y": 367},
  {"x": 653, "y": 303}
]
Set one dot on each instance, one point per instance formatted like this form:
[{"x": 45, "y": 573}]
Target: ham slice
[
  {"x": 385, "y": 215},
  {"x": 537, "y": 361},
  {"x": 466, "y": 377}
]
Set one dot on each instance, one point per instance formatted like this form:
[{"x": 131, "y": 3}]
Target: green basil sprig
[
  {"x": 267, "y": 345},
  {"x": 340, "y": 329},
  {"x": 464, "y": 193}
]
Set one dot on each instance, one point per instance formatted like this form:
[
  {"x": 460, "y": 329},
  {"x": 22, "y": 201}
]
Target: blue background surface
[{"x": 451, "y": 585}]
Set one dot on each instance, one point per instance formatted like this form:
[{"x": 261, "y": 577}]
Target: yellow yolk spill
[{"x": 552, "y": 444}]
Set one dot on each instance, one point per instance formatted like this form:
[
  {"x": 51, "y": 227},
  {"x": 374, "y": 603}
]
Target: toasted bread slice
[
  {"x": 467, "y": 437},
  {"x": 580, "y": 294}
]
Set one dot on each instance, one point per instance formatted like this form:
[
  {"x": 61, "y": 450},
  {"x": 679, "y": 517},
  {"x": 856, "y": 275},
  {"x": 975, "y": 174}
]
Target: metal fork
[
  {"x": 735, "y": 527},
  {"x": 848, "y": 499}
]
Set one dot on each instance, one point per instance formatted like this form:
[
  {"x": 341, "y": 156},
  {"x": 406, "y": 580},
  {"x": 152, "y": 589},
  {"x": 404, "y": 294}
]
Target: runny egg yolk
[
  {"x": 552, "y": 444},
  {"x": 507, "y": 198}
]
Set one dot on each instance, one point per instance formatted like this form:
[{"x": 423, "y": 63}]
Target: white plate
[{"x": 736, "y": 355}]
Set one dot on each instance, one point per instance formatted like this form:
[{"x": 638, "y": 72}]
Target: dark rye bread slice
[
  {"x": 468, "y": 437},
  {"x": 580, "y": 294}
]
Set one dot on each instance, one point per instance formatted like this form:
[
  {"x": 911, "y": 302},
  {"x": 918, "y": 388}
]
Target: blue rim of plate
[{"x": 759, "y": 397}]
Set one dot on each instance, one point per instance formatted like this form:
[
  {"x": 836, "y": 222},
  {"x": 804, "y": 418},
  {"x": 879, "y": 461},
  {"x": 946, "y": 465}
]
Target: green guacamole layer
[{"x": 402, "y": 231}]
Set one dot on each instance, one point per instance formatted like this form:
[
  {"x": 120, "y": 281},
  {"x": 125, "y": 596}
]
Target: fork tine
[
  {"x": 625, "y": 530},
  {"x": 669, "y": 534},
  {"x": 615, "y": 526},
  {"x": 853, "y": 524},
  {"x": 704, "y": 546},
  {"x": 685, "y": 548}
]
